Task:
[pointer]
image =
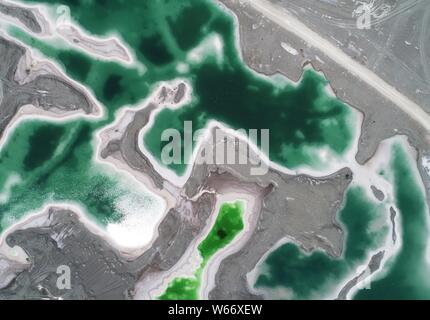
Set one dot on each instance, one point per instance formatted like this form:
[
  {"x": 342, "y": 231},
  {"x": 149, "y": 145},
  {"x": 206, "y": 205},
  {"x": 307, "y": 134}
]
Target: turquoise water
[
  {"x": 228, "y": 225},
  {"x": 289, "y": 273},
  {"x": 298, "y": 117},
  {"x": 158, "y": 33},
  {"x": 54, "y": 161},
  {"x": 408, "y": 273}
]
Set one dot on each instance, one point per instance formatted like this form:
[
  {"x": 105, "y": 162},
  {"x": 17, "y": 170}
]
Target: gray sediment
[
  {"x": 381, "y": 49},
  {"x": 379, "y": 195},
  {"x": 45, "y": 91},
  {"x": 260, "y": 44},
  {"x": 372, "y": 267},
  {"x": 97, "y": 270},
  {"x": 9, "y": 270},
  {"x": 127, "y": 148},
  {"x": 24, "y": 15},
  {"x": 299, "y": 207},
  {"x": 393, "y": 214}
]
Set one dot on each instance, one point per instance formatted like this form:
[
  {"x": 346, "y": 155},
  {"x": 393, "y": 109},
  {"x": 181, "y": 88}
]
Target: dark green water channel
[
  {"x": 289, "y": 273},
  {"x": 161, "y": 34}
]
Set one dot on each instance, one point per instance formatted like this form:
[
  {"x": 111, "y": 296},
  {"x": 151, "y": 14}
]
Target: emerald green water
[
  {"x": 298, "y": 275},
  {"x": 55, "y": 160},
  {"x": 298, "y": 117},
  {"x": 289, "y": 273},
  {"x": 161, "y": 35},
  {"x": 408, "y": 272},
  {"x": 228, "y": 225},
  {"x": 55, "y": 163}
]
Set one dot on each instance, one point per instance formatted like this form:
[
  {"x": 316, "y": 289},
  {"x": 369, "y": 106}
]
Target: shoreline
[
  {"x": 191, "y": 260},
  {"x": 379, "y": 160},
  {"x": 40, "y": 217},
  {"x": 76, "y": 37},
  {"x": 40, "y": 66},
  {"x": 362, "y": 173}
]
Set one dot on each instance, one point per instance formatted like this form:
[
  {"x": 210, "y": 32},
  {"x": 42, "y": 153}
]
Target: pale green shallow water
[
  {"x": 408, "y": 273},
  {"x": 228, "y": 224},
  {"x": 55, "y": 161},
  {"x": 309, "y": 276},
  {"x": 290, "y": 273},
  {"x": 300, "y": 117}
]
